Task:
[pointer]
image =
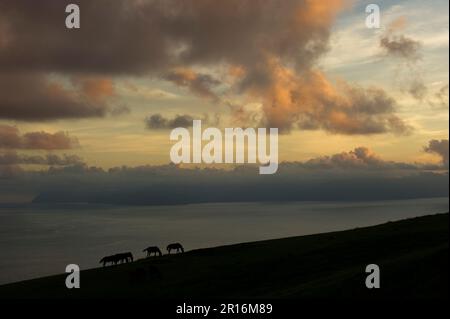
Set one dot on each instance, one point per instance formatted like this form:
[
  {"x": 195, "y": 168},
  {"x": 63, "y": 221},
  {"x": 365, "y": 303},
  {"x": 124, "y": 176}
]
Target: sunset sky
[{"x": 108, "y": 94}]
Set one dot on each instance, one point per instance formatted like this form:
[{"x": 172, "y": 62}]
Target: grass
[{"x": 412, "y": 255}]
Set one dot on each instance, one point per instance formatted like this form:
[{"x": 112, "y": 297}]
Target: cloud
[
  {"x": 157, "y": 121},
  {"x": 9, "y": 171},
  {"x": 440, "y": 98},
  {"x": 11, "y": 138},
  {"x": 12, "y": 158},
  {"x": 11, "y": 163},
  {"x": 33, "y": 97},
  {"x": 438, "y": 147},
  {"x": 396, "y": 45},
  {"x": 359, "y": 174},
  {"x": 312, "y": 102},
  {"x": 156, "y": 185},
  {"x": 442, "y": 94},
  {"x": 94, "y": 88},
  {"x": 120, "y": 110},
  {"x": 359, "y": 158},
  {"x": 418, "y": 89},
  {"x": 138, "y": 37},
  {"x": 200, "y": 84},
  {"x": 274, "y": 44},
  {"x": 401, "y": 46}
]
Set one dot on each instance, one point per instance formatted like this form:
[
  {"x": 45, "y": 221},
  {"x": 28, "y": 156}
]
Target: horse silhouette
[
  {"x": 108, "y": 259},
  {"x": 124, "y": 257},
  {"x": 175, "y": 246},
  {"x": 152, "y": 250},
  {"x": 117, "y": 259}
]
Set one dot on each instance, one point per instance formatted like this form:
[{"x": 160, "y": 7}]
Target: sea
[{"x": 38, "y": 240}]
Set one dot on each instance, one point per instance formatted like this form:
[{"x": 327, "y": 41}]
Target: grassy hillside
[{"x": 412, "y": 255}]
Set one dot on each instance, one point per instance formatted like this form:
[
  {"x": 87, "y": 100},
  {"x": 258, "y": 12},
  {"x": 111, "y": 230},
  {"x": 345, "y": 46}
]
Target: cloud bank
[{"x": 358, "y": 174}]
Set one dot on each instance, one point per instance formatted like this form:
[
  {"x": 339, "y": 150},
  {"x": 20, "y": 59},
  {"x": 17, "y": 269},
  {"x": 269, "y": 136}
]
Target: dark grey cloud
[
  {"x": 354, "y": 175},
  {"x": 172, "y": 185},
  {"x": 120, "y": 109},
  {"x": 10, "y": 172},
  {"x": 359, "y": 158},
  {"x": 440, "y": 98},
  {"x": 11, "y": 138},
  {"x": 200, "y": 84},
  {"x": 142, "y": 36},
  {"x": 396, "y": 45},
  {"x": 418, "y": 89},
  {"x": 12, "y": 158},
  {"x": 400, "y": 46},
  {"x": 158, "y": 121},
  {"x": 33, "y": 97},
  {"x": 439, "y": 147},
  {"x": 12, "y": 166}
]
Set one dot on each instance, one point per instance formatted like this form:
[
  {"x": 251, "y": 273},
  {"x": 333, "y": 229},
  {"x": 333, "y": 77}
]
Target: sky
[{"x": 107, "y": 95}]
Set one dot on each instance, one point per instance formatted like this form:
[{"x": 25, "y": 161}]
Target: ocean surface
[{"x": 40, "y": 240}]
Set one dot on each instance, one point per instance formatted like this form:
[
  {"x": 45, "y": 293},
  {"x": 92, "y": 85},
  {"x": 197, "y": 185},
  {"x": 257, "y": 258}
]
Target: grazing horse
[
  {"x": 124, "y": 257},
  {"x": 108, "y": 259},
  {"x": 152, "y": 250},
  {"x": 175, "y": 246},
  {"x": 117, "y": 259}
]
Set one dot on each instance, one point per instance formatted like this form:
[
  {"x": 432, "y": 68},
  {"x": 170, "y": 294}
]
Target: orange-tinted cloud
[
  {"x": 94, "y": 88},
  {"x": 310, "y": 101},
  {"x": 271, "y": 46},
  {"x": 200, "y": 84},
  {"x": 11, "y": 138}
]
